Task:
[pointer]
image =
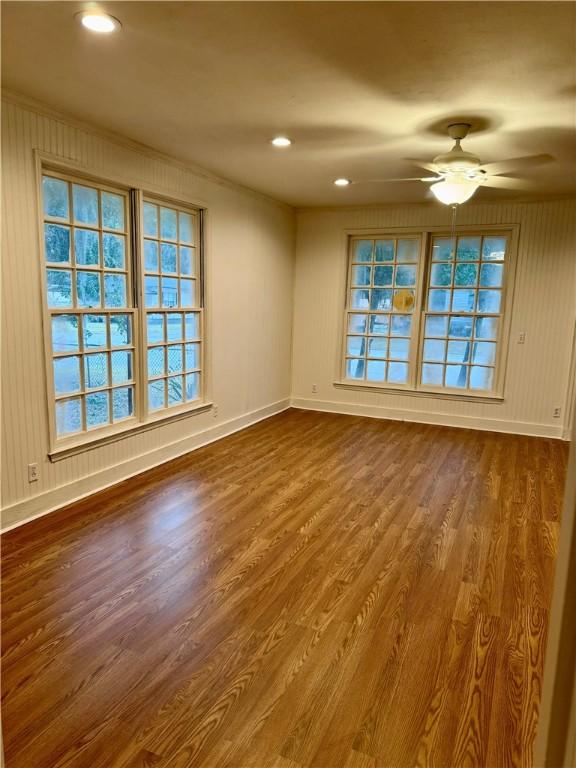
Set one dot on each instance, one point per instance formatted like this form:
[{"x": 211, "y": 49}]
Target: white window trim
[
  {"x": 60, "y": 448},
  {"x": 413, "y": 388}
]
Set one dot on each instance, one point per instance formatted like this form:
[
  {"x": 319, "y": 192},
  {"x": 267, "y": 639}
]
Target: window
[
  {"x": 446, "y": 338},
  {"x": 97, "y": 369}
]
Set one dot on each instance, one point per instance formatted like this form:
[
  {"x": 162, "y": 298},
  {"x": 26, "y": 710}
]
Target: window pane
[
  {"x": 434, "y": 350},
  {"x": 489, "y": 301},
  {"x": 433, "y": 375},
  {"x": 384, "y": 250},
  {"x": 151, "y": 290},
  {"x": 66, "y": 375},
  {"x": 96, "y": 370},
  {"x": 441, "y": 274},
  {"x": 115, "y": 290},
  {"x": 187, "y": 261},
  {"x": 381, "y": 298},
  {"x": 68, "y": 416},
  {"x": 408, "y": 251},
  {"x": 59, "y": 285},
  {"x": 404, "y": 300},
  {"x": 94, "y": 331},
  {"x": 484, "y": 352},
  {"x": 174, "y": 326},
  {"x": 167, "y": 223},
  {"x": 88, "y": 289},
  {"x": 97, "y": 409},
  {"x": 122, "y": 403},
  {"x": 155, "y": 326},
  {"x": 494, "y": 248},
  {"x": 397, "y": 373},
  {"x": 187, "y": 293},
  {"x": 85, "y": 201},
  {"x": 150, "y": 220},
  {"x": 362, "y": 250},
  {"x": 175, "y": 359},
  {"x": 377, "y": 347},
  {"x": 185, "y": 230},
  {"x": 86, "y": 247},
  {"x": 359, "y": 299},
  {"x": 192, "y": 386},
  {"x": 405, "y": 275},
  {"x": 192, "y": 356},
  {"x": 468, "y": 249},
  {"x": 357, "y": 323},
  {"x": 57, "y": 243},
  {"x": 112, "y": 211},
  {"x": 438, "y": 300},
  {"x": 458, "y": 351},
  {"x": 168, "y": 255},
  {"x": 460, "y": 327},
  {"x": 380, "y": 324},
  {"x": 113, "y": 247},
  {"x": 156, "y": 395},
  {"x": 383, "y": 275},
  {"x": 55, "y": 194},
  {"x": 120, "y": 330},
  {"x": 356, "y": 345},
  {"x": 401, "y": 325},
  {"x": 156, "y": 361},
  {"x": 456, "y": 376},
  {"x": 463, "y": 300},
  {"x": 354, "y": 369},
  {"x": 376, "y": 370},
  {"x": 491, "y": 275},
  {"x": 169, "y": 292},
  {"x": 465, "y": 274},
  {"x": 175, "y": 390},
  {"x": 192, "y": 325},
  {"x": 481, "y": 378},
  {"x": 361, "y": 275},
  {"x": 436, "y": 325},
  {"x": 487, "y": 327},
  {"x": 399, "y": 349},
  {"x": 442, "y": 249},
  {"x": 151, "y": 256},
  {"x": 65, "y": 333},
  {"x": 121, "y": 367}
]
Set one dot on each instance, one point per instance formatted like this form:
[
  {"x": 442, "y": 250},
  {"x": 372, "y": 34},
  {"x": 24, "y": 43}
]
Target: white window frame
[
  {"x": 62, "y": 447},
  {"x": 413, "y": 386}
]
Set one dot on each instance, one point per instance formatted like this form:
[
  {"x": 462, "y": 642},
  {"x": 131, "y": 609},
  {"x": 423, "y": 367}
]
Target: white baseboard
[
  {"x": 425, "y": 417},
  {"x": 29, "y": 509}
]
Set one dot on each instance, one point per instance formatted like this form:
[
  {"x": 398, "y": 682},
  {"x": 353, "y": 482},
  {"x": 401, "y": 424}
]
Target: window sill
[
  {"x": 88, "y": 442},
  {"x": 441, "y": 395}
]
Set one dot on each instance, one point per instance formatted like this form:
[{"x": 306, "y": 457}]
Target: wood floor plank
[{"x": 316, "y": 591}]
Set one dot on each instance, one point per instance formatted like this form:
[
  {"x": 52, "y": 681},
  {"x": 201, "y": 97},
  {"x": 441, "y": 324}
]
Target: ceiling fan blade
[
  {"x": 384, "y": 181},
  {"x": 422, "y": 164},
  {"x": 505, "y": 182},
  {"x": 515, "y": 164}
]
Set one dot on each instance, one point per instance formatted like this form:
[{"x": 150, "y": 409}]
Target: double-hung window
[
  {"x": 124, "y": 315},
  {"x": 426, "y": 312}
]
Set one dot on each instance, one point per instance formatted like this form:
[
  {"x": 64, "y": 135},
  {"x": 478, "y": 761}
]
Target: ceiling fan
[{"x": 459, "y": 173}]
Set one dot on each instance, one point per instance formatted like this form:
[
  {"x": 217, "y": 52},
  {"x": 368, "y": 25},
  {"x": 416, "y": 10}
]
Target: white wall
[
  {"x": 544, "y": 307},
  {"x": 249, "y": 296}
]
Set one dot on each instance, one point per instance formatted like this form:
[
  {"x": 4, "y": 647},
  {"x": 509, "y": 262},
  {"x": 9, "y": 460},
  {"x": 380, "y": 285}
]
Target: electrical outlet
[
  {"x": 33, "y": 473},
  {"x": 314, "y": 388},
  {"x": 557, "y": 412},
  {"x": 215, "y": 411},
  {"x": 521, "y": 337}
]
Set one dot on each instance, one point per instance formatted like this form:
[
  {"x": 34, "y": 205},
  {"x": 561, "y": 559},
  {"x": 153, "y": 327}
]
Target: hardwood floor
[{"x": 317, "y": 590}]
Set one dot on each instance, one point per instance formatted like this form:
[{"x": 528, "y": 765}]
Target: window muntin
[
  {"x": 382, "y": 293},
  {"x": 89, "y": 300},
  {"x": 458, "y": 328},
  {"x": 172, "y": 304}
]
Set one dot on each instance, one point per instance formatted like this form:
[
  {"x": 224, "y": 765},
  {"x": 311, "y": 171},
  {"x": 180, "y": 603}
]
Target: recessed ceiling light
[
  {"x": 99, "y": 22},
  {"x": 281, "y": 141},
  {"x": 342, "y": 182}
]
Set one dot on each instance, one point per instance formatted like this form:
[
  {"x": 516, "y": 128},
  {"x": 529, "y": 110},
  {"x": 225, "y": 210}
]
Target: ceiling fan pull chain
[{"x": 453, "y": 230}]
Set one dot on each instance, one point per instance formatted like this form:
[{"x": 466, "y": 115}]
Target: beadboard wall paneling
[
  {"x": 250, "y": 265},
  {"x": 544, "y": 306}
]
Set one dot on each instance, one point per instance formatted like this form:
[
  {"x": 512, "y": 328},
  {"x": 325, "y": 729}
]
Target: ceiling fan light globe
[{"x": 454, "y": 192}]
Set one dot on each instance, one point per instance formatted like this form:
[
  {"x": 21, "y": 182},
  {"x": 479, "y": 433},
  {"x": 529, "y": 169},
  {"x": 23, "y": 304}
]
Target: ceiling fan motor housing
[{"x": 457, "y": 160}]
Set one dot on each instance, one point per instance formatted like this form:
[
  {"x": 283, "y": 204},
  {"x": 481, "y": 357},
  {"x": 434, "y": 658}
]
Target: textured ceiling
[{"x": 360, "y": 87}]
